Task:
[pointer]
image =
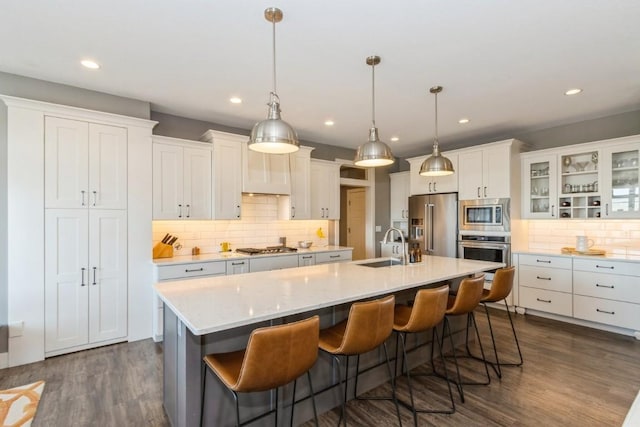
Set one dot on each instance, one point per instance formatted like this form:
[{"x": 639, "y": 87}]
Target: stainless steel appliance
[
  {"x": 485, "y": 215},
  {"x": 433, "y": 223},
  {"x": 491, "y": 247},
  {"x": 267, "y": 250}
]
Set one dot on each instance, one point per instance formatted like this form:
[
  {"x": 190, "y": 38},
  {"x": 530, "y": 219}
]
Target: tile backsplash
[
  {"x": 258, "y": 227},
  {"x": 617, "y": 237}
]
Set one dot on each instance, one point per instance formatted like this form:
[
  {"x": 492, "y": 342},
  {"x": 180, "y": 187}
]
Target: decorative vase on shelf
[{"x": 566, "y": 162}]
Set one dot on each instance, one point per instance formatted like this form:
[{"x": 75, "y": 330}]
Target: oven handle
[{"x": 467, "y": 244}]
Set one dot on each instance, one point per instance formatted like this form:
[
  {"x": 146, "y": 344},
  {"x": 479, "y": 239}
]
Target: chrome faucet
[{"x": 405, "y": 258}]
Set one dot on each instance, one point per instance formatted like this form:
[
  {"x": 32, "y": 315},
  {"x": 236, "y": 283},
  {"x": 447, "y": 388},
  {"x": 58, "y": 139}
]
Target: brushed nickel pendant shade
[
  {"x": 273, "y": 135},
  {"x": 374, "y": 152},
  {"x": 436, "y": 164}
]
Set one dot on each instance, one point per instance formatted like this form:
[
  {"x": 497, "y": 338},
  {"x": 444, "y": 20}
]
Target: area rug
[{"x": 18, "y": 405}]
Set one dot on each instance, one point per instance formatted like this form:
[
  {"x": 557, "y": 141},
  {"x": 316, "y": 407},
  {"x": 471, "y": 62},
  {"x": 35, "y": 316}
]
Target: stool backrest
[
  {"x": 501, "y": 285},
  {"x": 277, "y": 355},
  {"x": 369, "y": 324},
  {"x": 468, "y": 296},
  {"x": 428, "y": 309}
]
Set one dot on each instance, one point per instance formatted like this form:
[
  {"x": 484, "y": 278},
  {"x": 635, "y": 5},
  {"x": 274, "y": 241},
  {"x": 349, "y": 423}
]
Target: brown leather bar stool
[
  {"x": 426, "y": 313},
  {"x": 368, "y": 326},
  {"x": 500, "y": 289},
  {"x": 463, "y": 303},
  {"x": 274, "y": 357}
]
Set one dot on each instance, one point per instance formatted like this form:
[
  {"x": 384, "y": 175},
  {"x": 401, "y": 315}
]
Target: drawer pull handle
[
  {"x": 604, "y": 266},
  {"x": 195, "y": 269},
  {"x": 598, "y": 285},
  {"x": 604, "y": 311},
  {"x": 543, "y": 278},
  {"x": 237, "y": 263},
  {"x": 543, "y": 260},
  {"x": 544, "y": 300},
  {"x": 334, "y": 256},
  {"x": 307, "y": 257}
]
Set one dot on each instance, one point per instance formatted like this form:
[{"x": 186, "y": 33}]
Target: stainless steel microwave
[{"x": 485, "y": 215}]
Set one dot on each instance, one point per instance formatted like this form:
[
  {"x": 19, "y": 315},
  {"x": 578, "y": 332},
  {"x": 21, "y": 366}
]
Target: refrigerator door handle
[{"x": 430, "y": 211}]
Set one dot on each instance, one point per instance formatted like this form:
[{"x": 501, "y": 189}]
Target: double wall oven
[{"x": 485, "y": 231}]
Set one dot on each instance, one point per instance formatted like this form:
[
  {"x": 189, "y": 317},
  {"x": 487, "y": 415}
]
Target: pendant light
[
  {"x": 437, "y": 164},
  {"x": 373, "y": 152},
  {"x": 273, "y": 135}
]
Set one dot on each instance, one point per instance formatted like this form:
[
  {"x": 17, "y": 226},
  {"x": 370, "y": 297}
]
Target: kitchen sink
[{"x": 383, "y": 263}]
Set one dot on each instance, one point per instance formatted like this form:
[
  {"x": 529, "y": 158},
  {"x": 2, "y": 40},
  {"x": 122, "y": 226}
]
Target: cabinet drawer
[
  {"x": 609, "y": 286},
  {"x": 548, "y": 301},
  {"x": 306, "y": 259},
  {"x": 616, "y": 313},
  {"x": 552, "y": 279},
  {"x": 338, "y": 256},
  {"x": 273, "y": 263},
  {"x": 184, "y": 271},
  {"x": 604, "y": 266},
  {"x": 545, "y": 261}
]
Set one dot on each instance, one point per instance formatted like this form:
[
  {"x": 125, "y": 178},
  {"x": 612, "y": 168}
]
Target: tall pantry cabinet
[{"x": 78, "y": 189}]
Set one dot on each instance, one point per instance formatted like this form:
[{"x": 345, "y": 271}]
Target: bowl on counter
[{"x": 305, "y": 244}]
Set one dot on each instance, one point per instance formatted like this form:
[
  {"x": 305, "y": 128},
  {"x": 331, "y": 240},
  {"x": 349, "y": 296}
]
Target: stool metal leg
[
  {"x": 313, "y": 398},
  {"x": 204, "y": 388}
]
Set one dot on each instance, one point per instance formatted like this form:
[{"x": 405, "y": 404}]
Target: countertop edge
[{"x": 608, "y": 257}]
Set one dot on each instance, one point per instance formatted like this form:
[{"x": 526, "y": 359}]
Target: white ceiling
[{"x": 503, "y": 64}]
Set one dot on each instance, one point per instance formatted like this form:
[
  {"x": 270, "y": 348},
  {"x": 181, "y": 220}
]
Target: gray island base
[{"x": 217, "y": 314}]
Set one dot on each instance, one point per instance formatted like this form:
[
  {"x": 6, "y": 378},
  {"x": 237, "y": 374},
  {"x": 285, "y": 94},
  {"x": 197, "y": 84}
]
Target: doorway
[{"x": 356, "y": 219}]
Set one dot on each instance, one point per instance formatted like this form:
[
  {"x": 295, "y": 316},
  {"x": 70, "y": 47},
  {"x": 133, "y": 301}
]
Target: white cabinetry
[
  {"x": 485, "y": 173},
  {"x": 334, "y": 256},
  {"x": 86, "y": 164},
  {"x": 272, "y": 263},
  {"x": 325, "y": 189},
  {"x": 306, "y": 259},
  {"x": 227, "y": 173},
  {"x": 621, "y": 180},
  {"x": 419, "y": 184},
  {"x": 181, "y": 179},
  {"x": 545, "y": 283},
  {"x": 298, "y": 205},
  {"x": 399, "y": 200},
  {"x": 238, "y": 266},
  {"x": 540, "y": 187},
  {"x": 265, "y": 173}
]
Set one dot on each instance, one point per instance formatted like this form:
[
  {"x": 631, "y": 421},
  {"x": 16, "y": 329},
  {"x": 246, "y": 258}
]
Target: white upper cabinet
[
  {"x": 265, "y": 173},
  {"x": 85, "y": 165},
  {"x": 399, "y": 197},
  {"x": 419, "y": 184},
  {"x": 540, "y": 187},
  {"x": 227, "y": 175},
  {"x": 181, "y": 179},
  {"x": 485, "y": 173},
  {"x": 325, "y": 189},
  {"x": 621, "y": 177},
  {"x": 298, "y": 205}
]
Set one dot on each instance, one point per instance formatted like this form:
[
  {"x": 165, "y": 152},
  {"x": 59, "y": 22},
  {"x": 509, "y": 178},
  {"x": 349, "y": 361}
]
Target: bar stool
[
  {"x": 368, "y": 326},
  {"x": 465, "y": 302},
  {"x": 426, "y": 313},
  {"x": 274, "y": 357},
  {"x": 500, "y": 290}
]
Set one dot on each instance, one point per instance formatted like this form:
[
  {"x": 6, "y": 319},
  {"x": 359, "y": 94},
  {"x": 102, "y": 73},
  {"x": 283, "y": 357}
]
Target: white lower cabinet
[
  {"x": 273, "y": 263},
  {"x": 335, "y": 256},
  {"x": 307, "y": 259},
  {"x": 594, "y": 289},
  {"x": 85, "y": 278},
  {"x": 239, "y": 266}
]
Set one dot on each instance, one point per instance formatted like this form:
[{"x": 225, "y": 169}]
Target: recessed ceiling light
[
  {"x": 573, "y": 91},
  {"x": 463, "y": 121},
  {"x": 235, "y": 100},
  {"x": 329, "y": 123},
  {"x": 87, "y": 63},
  {"x": 394, "y": 139}
]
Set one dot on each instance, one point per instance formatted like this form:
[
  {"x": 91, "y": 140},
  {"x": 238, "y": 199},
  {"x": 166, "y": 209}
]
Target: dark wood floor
[{"x": 573, "y": 376}]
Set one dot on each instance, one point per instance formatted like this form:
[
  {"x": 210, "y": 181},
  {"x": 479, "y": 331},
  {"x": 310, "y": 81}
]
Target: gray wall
[
  {"x": 4, "y": 330},
  {"x": 25, "y": 87}
]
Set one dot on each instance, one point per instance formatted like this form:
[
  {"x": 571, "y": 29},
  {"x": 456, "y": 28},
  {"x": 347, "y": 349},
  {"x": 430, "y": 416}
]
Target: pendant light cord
[
  {"x": 373, "y": 95},
  {"x": 435, "y": 141},
  {"x": 274, "y": 93}
]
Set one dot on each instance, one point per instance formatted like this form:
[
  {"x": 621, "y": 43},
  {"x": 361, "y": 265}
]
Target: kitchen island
[{"x": 217, "y": 314}]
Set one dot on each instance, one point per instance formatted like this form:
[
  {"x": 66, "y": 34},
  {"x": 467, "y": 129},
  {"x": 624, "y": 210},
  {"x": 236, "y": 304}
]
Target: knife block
[{"x": 162, "y": 250}]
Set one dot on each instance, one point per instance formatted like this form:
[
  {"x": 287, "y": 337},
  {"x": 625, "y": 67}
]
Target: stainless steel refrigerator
[{"x": 433, "y": 223}]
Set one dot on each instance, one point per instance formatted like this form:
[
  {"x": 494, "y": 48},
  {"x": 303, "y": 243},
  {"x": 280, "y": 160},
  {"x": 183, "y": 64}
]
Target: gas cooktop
[{"x": 267, "y": 250}]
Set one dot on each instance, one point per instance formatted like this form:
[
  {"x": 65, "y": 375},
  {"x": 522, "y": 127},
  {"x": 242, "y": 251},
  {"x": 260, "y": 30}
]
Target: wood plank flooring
[{"x": 572, "y": 376}]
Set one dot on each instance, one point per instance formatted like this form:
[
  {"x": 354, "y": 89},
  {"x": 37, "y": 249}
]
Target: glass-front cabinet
[
  {"x": 621, "y": 199},
  {"x": 579, "y": 185},
  {"x": 540, "y": 187}
]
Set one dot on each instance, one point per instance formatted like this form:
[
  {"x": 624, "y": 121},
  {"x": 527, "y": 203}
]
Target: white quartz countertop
[
  {"x": 610, "y": 257},
  {"x": 222, "y": 256},
  {"x": 213, "y": 304}
]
